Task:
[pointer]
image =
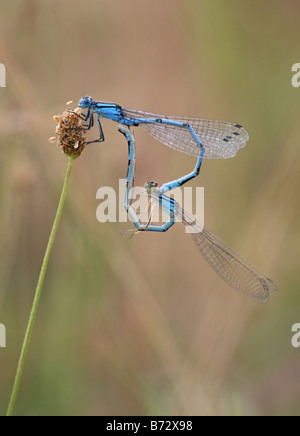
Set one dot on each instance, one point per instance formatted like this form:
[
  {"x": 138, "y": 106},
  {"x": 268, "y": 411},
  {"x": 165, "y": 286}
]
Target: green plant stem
[{"x": 39, "y": 290}]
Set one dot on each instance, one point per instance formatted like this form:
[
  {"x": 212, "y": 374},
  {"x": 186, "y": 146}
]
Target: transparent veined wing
[
  {"x": 230, "y": 266},
  {"x": 221, "y": 139}
]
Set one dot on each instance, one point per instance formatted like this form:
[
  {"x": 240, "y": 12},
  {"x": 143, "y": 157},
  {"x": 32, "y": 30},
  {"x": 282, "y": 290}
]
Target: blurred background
[{"x": 144, "y": 326}]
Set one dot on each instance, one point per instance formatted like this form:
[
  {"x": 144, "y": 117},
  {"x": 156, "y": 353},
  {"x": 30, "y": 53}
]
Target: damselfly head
[
  {"x": 150, "y": 186},
  {"x": 85, "y": 102}
]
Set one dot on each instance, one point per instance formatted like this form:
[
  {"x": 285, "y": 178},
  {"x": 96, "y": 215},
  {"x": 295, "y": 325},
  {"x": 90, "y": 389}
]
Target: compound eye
[
  {"x": 151, "y": 185},
  {"x": 86, "y": 101}
]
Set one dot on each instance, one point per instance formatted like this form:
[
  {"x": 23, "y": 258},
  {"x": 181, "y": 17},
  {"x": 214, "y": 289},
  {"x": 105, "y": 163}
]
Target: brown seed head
[{"x": 68, "y": 134}]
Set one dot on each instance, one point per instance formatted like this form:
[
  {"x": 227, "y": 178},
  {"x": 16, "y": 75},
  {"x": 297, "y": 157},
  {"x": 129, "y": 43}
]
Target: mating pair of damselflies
[{"x": 197, "y": 137}]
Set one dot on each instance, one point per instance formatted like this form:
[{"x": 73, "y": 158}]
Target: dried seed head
[
  {"x": 78, "y": 111},
  {"x": 69, "y": 135},
  {"x": 69, "y": 102}
]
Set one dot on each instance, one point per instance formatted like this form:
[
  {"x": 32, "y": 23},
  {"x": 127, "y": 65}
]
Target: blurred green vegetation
[{"x": 144, "y": 326}]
